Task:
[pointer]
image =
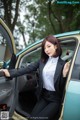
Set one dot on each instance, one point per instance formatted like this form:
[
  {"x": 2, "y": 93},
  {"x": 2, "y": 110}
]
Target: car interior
[{"x": 27, "y": 84}]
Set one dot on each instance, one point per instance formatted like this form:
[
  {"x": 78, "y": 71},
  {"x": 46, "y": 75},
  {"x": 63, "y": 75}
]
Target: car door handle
[{"x": 4, "y": 93}]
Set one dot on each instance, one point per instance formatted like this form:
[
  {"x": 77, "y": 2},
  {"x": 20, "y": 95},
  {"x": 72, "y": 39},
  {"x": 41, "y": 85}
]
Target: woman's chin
[{"x": 50, "y": 55}]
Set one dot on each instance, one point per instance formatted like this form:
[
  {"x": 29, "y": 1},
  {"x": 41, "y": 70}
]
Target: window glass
[
  {"x": 32, "y": 56},
  {"x": 77, "y": 61},
  {"x": 76, "y": 68},
  {"x": 68, "y": 47},
  {"x": 4, "y": 49}
]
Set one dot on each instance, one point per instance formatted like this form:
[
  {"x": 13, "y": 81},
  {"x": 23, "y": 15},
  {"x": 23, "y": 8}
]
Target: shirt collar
[{"x": 53, "y": 59}]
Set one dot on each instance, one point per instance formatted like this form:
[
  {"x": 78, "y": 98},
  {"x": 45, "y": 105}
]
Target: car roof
[{"x": 68, "y": 33}]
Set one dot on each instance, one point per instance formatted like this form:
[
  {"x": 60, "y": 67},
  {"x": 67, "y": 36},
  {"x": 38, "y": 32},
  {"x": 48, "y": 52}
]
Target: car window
[
  {"x": 4, "y": 49},
  {"x": 68, "y": 47},
  {"x": 32, "y": 56},
  {"x": 76, "y": 69}
]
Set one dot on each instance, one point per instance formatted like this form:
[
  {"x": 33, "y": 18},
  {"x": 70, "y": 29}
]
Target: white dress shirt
[{"x": 48, "y": 73}]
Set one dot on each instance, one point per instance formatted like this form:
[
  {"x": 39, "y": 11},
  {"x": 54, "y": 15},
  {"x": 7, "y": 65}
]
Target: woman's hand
[
  {"x": 66, "y": 69},
  {"x": 6, "y": 72}
]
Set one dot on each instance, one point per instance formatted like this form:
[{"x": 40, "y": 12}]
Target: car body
[{"x": 19, "y": 93}]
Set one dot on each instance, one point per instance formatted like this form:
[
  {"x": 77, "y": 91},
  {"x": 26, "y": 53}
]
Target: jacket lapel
[
  {"x": 58, "y": 70},
  {"x": 41, "y": 69}
]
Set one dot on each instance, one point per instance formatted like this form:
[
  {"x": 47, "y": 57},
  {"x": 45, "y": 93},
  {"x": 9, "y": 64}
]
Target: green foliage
[
  {"x": 43, "y": 17},
  {"x": 52, "y": 18}
]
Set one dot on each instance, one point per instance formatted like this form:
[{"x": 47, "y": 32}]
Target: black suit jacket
[{"x": 59, "y": 81}]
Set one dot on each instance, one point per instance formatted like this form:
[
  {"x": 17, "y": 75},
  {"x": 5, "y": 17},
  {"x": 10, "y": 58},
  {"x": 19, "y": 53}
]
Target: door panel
[
  {"x": 5, "y": 91},
  {"x": 72, "y": 101},
  {"x": 7, "y": 86}
]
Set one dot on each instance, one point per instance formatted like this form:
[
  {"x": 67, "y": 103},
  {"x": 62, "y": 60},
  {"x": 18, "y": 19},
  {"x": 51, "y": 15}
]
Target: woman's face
[{"x": 50, "y": 49}]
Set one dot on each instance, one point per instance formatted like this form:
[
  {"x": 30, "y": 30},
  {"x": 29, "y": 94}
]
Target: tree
[
  {"x": 11, "y": 11},
  {"x": 40, "y": 18},
  {"x": 38, "y": 22},
  {"x": 65, "y": 16},
  {"x": 52, "y": 18}
]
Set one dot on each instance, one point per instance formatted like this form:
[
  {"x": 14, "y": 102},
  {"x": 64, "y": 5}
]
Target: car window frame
[
  {"x": 26, "y": 52},
  {"x": 9, "y": 36}
]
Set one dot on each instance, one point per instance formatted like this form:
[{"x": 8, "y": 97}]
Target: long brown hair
[{"x": 54, "y": 41}]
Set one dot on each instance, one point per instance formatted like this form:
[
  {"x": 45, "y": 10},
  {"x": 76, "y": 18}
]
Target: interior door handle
[{"x": 5, "y": 93}]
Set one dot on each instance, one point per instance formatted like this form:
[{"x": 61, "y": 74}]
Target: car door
[
  {"x": 7, "y": 86},
  {"x": 72, "y": 98}
]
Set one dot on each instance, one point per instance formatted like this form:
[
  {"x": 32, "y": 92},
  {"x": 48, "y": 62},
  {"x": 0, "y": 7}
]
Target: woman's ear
[{"x": 55, "y": 47}]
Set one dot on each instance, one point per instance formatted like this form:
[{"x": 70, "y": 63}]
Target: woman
[{"x": 52, "y": 79}]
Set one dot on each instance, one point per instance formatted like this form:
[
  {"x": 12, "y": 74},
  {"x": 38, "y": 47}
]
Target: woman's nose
[{"x": 46, "y": 50}]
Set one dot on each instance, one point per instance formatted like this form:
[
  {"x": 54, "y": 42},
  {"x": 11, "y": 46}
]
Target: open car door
[{"x": 7, "y": 86}]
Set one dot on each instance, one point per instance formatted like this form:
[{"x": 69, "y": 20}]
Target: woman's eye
[{"x": 48, "y": 46}]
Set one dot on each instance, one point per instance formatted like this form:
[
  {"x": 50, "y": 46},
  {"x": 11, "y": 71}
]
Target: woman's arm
[
  {"x": 64, "y": 76},
  {"x": 66, "y": 69},
  {"x": 21, "y": 71},
  {"x": 6, "y": 72}
]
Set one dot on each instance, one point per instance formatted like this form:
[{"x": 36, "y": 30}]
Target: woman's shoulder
[
  {"x": 61, "y": 60},
  {"x": 41, "y": 61}
]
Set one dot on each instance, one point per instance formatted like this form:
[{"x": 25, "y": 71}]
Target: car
[{"x": 17, "y": 95}]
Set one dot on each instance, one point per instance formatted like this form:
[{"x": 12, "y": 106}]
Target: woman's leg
[
  {"x": 40, "y": 105},
  {"x": 49, "y": 112},
  {"x": 45, "y": 110}
]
